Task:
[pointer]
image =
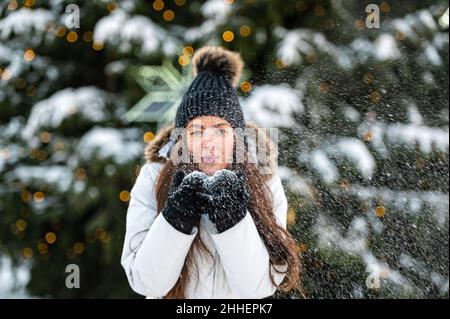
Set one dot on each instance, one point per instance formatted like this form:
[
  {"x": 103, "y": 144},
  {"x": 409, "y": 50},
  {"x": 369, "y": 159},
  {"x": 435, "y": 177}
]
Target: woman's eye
[
  {"x": 221, "y": 132},
  {"x": 196, "y": 133}
]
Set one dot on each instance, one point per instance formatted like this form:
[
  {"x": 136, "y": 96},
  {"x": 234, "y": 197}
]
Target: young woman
[{"x": 210, "y": 224}]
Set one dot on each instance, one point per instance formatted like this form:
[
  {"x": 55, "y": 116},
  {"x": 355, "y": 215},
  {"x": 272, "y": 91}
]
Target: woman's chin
[{"x": 210, "y": 169}]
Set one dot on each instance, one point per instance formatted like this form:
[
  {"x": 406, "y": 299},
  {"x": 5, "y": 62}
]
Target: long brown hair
[{"x": 281, "y": 245}]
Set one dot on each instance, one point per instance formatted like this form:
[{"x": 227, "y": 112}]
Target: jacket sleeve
[
  {"x": 244, "y": 256},
  {"x": 154, "y": 252}
]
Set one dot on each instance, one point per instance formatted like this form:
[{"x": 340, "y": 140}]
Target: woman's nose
[
  {"x": 207, "y": 144},
  {"x": 207, "y": 136},
  {"x": 208, "y": 141}
]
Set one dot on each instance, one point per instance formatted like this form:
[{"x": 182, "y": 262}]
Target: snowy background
[{"x": 362, "y": 112}]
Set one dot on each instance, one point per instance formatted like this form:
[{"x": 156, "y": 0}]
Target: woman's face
[{"x": 210, "y": 142}]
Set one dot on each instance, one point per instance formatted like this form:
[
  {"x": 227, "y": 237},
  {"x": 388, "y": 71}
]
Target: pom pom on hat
[{"x": 218, "y": 60}]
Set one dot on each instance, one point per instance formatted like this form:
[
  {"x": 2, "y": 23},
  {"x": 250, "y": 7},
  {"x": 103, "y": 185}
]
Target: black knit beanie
[{"x": 212, "y": 92}]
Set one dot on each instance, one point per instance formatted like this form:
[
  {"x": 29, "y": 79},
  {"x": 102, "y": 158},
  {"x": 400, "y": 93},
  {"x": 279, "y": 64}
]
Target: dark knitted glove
[
  {"x": 230, "y": 197},
  {"x": 186, "y": 202}
]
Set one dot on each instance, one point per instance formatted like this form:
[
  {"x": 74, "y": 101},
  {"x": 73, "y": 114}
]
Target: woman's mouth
[{"x": 208, "y": 159}]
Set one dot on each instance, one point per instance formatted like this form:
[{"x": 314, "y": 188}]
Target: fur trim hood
[{"x": 151, "y": 152}]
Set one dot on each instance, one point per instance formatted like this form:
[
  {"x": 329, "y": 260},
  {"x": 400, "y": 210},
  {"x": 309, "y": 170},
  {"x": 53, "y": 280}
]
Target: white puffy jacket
[{"x": 154, "y": 252}]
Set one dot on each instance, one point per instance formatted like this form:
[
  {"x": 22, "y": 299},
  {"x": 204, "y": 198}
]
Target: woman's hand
[
  {"x": 229, "y": 198},
  {"x": 186, "y": 202}
]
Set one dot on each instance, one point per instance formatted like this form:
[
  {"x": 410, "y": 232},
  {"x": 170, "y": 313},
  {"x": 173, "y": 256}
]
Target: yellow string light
[
  {"x": 291, "y": 216},
  {"x": 42, "y": 248},
  {"x": 246, "y": 86},
  {"x": 29, "y": 55},
  {"x": 148, "y": 137},
  {"x": 50, "y": 237},
  {"x": 168, "y": 15},
  {"x": 26, "y": 196},
  {"x": 228, "y": 36},
  {"x": 380, "y": 211},
  {"x": 188, "y": 50},
  {"x": 27, "y": 253},
  {"x": 368, "y": 136},
  {"x": 280, "y": 64},
  {"x": 158, "y": 5},
  {"x": 106, "y": 239},
  {"x": 385, "y": 7},
  {"x": 359, "y": 24},
  {"x": 375, "y": 96},
  {"x": 45, "y": 137},
  {"x": 87, "y": 36},
  {"x": 38, "y": 197},
  {"x": 72, "y": 37},
  {"x": 60, "y": 31},
  {"x": 302, "y": 247},
  {"x": 29, "y": 3},
  {"x": 78, "y": 248},
  {"x": 124, "y": 196},
  {"x": 111, "y": 6},
  {"x": 100, "y": 233},
  {"x": 21, "y": 225},
  {"x": 245, "y": 30},
  {"x": 183, "y": 60},
  {"x": 80, "y": 173},
  {"x": 97, "y": 45},
  {"x": 6, "y": 75}
]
